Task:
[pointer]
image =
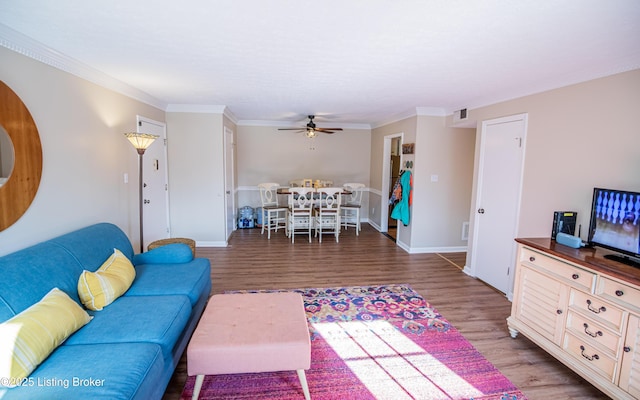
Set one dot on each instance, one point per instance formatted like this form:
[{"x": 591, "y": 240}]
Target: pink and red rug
[{"x": 374, "y": 342}]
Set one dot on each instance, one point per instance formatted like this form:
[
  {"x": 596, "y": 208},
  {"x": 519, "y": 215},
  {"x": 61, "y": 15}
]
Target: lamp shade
[{"x": 140, "y": 140}]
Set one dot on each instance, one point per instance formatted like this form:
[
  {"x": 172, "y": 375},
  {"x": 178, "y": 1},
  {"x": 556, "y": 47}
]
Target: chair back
[
  {"x": 329, "y": 198},
  {"x": 269, "y": 194},
  {"x": 356, "y": 189},
  {"x": 301, "y": 199}
]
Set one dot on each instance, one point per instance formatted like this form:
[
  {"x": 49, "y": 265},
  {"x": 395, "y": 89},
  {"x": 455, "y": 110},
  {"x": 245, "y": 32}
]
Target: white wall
[
  {"x": 579, "y": 137},
  {"x": 85, "y": 154},
  {"x": 196, "y": 176},
  {"x": 439, "y": 208},
  {"x": 265, "y": 154}
]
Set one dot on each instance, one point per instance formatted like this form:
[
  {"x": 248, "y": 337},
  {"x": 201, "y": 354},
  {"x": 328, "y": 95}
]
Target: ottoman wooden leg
[
  {"x": 303, "y": 383},
  {"x": 197, "y": 387}
]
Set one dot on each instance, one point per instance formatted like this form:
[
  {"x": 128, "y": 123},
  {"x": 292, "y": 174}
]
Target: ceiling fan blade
[
  {"x": 328, "y": 129},
  {"x": 291, "y": 129}
]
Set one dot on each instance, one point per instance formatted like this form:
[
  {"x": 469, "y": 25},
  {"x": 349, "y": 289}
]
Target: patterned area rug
[{"x": 374, "y": 342}]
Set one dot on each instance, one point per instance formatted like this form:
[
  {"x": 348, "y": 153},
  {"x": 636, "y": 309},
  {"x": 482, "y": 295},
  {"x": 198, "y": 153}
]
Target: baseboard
[
  {"x": 451, "y": 249},
  {"x": 211, "y": 244}
]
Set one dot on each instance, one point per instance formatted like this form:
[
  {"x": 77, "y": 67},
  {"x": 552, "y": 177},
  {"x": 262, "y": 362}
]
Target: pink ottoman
[{"x": 253, "y": 332}]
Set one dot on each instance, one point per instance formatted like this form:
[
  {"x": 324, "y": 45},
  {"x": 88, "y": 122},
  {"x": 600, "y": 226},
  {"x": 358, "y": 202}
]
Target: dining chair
[
  {"x": 350, "y": 210},
  {"x": 274, "y": 216},
  {"x": 327, "y": 211},
  {"x": 300, "y": 212}
]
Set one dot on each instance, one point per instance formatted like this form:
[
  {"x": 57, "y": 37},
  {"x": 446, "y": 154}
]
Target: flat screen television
[{"x": 615, "y": 224}]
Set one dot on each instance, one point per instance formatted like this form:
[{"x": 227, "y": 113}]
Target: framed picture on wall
[{"x": 408, "y": 148}]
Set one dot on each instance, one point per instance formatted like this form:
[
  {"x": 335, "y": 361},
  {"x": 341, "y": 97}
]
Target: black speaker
[{"x": 564, "y": 222}]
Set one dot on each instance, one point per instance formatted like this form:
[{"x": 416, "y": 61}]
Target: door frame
[
  {"x": 471, "y": 268},
  {"x": 385, "y": 185},
  {"x": 229, "y": 174},
  {"x": 139, "y": 121}
]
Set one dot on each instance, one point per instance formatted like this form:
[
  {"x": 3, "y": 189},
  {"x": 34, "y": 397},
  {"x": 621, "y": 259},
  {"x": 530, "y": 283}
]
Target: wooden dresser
[{"x": 582, "y": 309}]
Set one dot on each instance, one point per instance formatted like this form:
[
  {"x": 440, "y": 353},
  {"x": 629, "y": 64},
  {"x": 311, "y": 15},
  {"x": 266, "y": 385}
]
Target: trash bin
[{"x": 245, "y": 217}]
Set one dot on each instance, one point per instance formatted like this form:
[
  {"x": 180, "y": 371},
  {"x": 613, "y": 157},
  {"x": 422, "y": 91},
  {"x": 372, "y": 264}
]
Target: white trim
[
  {"x": 385, "y": 185},
  {"x": 196, "y": 108},
  {"x": 451, "y": 249},
  {"x": 422, "y": 111},
  {"x": 291, "y": 124},
  {"x": 19, "y": 43}
]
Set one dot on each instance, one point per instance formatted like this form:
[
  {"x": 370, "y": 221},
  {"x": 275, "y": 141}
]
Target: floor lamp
[{"x": 141, "y": 141}]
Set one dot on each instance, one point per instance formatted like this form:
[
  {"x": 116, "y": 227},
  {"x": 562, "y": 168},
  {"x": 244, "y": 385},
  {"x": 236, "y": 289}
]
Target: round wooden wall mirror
[{"x": 20, "y": 188}]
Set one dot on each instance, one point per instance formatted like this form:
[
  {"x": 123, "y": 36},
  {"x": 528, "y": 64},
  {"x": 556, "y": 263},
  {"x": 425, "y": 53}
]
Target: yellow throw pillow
[
  {"x": 99, "y": 289},
  {"x": 29, "y": 337}
]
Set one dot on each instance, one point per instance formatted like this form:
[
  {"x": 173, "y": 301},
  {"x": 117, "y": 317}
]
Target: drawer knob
[
  {"x": 626, "y": 349},
  {"x": 586, "y": 330},
  {"x": 619, "y": 293},
  {"x": 575, "y": 276},
  {"x": 558, "y": 312},
  {"x": 595, "y": 310},
  {"x": 532, "y": 258},
  {"x": 588, "y": 357}
]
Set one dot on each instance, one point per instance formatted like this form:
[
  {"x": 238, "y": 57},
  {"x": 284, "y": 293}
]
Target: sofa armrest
[{"x": 174, "y": 253}]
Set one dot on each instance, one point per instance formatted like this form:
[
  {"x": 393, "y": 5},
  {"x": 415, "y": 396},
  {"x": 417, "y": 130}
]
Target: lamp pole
[{"x": 141, "y": 141}]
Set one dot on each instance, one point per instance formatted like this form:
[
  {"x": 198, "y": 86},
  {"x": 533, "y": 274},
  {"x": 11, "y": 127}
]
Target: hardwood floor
[{"x": 478, "y": 311}]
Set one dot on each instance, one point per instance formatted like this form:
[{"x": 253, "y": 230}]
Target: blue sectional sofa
[{"x": 129, "y": 349}]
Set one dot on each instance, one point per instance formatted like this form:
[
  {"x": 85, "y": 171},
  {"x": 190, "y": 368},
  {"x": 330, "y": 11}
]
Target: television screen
[{"x": 615, "y": 221}]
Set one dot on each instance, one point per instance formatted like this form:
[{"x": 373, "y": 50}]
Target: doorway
[
  {"x": 391, "y": 162},
  {"x": 498, "y": 200},
  {"x": 229, "y": 182},
  {"x": 155, "y": 187}
]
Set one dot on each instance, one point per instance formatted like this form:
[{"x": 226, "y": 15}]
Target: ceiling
[{"x": 347, "y": 61}]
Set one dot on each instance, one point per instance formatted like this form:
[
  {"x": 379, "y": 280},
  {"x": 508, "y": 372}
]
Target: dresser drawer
[
  {"x": 619, "y": 293},
  {"x": 590, "y": 356},
  {"x": 591, "y": 331},
  {"x": 571, "y": 274},
  {"x": 603, "y": 312}
]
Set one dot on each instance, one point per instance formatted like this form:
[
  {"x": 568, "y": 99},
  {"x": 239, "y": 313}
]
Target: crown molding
[
  {"x": 413, "y": 112},
  {"x": 28, "y": 47},
  {"x": 196, "y": 108},
  {"x": 290, "y": 124}
]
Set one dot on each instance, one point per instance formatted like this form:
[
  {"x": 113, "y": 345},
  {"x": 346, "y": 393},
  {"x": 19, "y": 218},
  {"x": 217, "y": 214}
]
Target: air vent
[{"x": 460, "y": 115}]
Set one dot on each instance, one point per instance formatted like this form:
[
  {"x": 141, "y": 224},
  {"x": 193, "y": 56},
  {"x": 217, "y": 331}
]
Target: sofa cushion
[
  {"x": 192, "y": 279},
  {"x": 97, "y": 371},
  {"x": 27, "y": 275},
  {"x": 99, "y": 289},
  {"x": 91, "y": 245},
  {"x": 29, "y": 337},
  {"x": 153, "y": 319},
  {"x": 173, "y": 253}
]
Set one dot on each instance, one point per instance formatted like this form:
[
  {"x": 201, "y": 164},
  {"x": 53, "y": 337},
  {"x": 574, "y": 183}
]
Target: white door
[
  {"x": 155, "y": 187},
  {"x": 498, "y": 199},
  {"x": 229, "y": 184}
]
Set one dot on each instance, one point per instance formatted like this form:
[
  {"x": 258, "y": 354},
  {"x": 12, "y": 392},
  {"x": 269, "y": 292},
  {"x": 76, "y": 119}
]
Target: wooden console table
[{"x": 582, "y": 309}]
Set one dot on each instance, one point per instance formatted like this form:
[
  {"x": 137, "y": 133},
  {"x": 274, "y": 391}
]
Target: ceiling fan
[{"x": 311, "y": 129}]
